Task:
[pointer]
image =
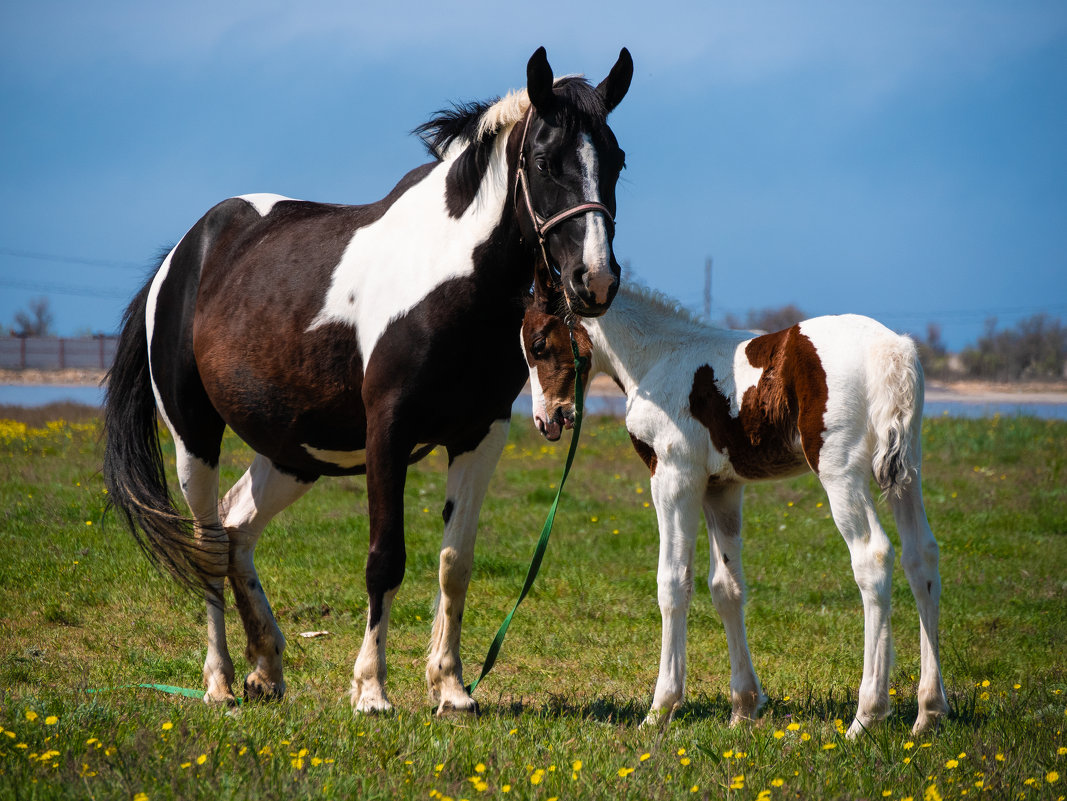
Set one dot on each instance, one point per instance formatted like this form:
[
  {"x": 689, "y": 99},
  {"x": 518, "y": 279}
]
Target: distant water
[
  {"x": 42, "y": 394},
  {"x": 615, "y": 405}
]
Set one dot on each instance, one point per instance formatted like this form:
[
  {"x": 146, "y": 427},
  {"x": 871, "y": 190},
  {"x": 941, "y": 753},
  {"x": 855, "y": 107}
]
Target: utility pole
[{"x": 707, "y": 288}]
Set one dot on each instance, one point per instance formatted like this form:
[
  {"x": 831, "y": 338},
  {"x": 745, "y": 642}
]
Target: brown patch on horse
[
  {"x": 645, "y": 451},
  {"x": 788, "y": 401}
]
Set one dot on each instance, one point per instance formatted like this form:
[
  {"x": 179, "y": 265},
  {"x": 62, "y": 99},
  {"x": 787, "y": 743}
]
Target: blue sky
[{"x": 905, "y": 160}]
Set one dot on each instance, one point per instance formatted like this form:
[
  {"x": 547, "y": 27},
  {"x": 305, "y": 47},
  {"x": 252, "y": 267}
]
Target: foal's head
[
  {"x": 566, "y": 171},
  {"x": 546, "y": 342}
]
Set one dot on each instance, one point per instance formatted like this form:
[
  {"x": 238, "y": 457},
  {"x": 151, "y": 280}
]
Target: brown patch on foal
[
  {"x": 555, "y": 360},
  {"x": 788, "y": 400},
  {"x": 645, "y": 451}
]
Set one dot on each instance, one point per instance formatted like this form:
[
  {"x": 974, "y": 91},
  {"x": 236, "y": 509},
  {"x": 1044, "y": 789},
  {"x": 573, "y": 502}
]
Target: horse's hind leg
[
  {"x": 919, "y": 558},
  {"x": 872, "y": 566},
  {"x": 726, "y": 580},
  {"x": 468, "y": 478},
  {"x": 260, "y": 494},
  {"x": 199, "y": 483}
]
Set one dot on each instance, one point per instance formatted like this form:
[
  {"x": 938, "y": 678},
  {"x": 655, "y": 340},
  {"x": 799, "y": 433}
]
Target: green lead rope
[{"x": 542, "y": 544}]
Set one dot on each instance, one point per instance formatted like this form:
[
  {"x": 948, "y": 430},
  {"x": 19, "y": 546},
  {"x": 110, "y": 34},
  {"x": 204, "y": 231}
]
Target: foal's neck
[{"x": 638, "y": 333}]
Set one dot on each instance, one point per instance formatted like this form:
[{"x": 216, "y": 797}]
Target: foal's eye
[{"x": 538, "y": 347}]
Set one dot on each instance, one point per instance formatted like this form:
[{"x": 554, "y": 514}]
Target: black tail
[{"x": 133, "y": 461}]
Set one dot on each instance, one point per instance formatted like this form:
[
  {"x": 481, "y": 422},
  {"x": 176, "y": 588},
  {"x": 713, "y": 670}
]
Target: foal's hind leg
[
  {"x": 872, "y": 565},
  {"x": 919, "y": 557},
  {"x": 261, "y": 493},
  {"x": 726, "y": 580},
  {"x": 468, "y": 479}
]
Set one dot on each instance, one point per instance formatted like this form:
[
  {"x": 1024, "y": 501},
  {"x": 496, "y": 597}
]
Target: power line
[
  {"x": 65, "y": 289},
  {"x": 31, "y": 254}
]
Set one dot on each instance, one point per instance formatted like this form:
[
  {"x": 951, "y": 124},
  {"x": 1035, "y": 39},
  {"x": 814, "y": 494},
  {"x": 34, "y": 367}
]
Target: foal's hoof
[
  {"x": 927, "y": 721},
  {"x": 258, "y": 689},
  {"x": 657, "y": 718}
]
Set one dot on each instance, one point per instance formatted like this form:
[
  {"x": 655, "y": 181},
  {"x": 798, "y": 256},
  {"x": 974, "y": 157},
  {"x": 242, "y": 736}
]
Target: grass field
[{"x": 80, "y": 609}]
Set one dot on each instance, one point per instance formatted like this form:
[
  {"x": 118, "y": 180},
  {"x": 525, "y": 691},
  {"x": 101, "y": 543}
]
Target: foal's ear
[
  {"x": 539, "y": 81},
  {"x": 613, "y": 88}
]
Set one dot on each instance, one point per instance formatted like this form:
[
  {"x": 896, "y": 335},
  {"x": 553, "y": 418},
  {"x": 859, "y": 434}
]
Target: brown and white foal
[{"x": 711, "y": 410}]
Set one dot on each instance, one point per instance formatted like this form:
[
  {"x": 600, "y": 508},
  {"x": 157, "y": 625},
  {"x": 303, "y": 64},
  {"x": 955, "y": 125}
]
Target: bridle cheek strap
[{"x": 541, "y": 225}]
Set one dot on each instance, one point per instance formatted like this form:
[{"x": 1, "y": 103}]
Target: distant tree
[
  {"x": 35, "y": 321},
  {"x": 771, "y": 319},
  {"x": 1035, "y": 349},
  {"x": 932, "y": 352}
]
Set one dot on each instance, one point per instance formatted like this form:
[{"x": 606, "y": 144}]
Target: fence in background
[{"x": 54, "y": 353}]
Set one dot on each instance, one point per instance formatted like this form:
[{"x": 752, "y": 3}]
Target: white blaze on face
[{"x": 596, "y": 251}]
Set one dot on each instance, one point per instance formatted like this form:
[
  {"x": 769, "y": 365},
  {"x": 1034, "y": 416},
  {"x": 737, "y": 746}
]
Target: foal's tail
[
  {"x": 133, "y": 461},
  {"x": 895, "y": 404}
]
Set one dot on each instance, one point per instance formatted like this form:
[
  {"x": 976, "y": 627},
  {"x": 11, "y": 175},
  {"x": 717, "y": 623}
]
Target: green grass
[{"x": 81, "y": 609}]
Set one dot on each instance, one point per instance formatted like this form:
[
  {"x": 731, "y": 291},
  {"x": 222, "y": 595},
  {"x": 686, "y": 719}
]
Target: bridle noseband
[{"x": 541, "y": 225}]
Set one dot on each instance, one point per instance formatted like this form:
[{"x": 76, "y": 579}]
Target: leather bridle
[{"x": 540, "y": 224}]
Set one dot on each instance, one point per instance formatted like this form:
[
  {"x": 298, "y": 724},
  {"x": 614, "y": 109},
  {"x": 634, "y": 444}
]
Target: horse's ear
[
  {"x": 613, "y": 88},
  {"x": 539, "y": 81}
]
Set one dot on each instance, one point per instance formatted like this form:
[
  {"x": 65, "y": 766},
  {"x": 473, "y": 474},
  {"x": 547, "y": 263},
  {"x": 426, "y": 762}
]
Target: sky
[{"x": 903, "y": 160}]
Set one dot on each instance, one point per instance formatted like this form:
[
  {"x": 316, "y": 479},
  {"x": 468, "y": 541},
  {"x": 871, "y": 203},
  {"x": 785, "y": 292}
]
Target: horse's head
[
  {"x": 546, "y": 343},
  {"x": 567, "y": 165}
]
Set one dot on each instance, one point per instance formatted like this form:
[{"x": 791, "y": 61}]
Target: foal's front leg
[
  {"x": 676, "y": 493},
  {"x": 468, "y": 478},
  {"x": 386, "y": 474},
  {"x": 726, "y": 580}
]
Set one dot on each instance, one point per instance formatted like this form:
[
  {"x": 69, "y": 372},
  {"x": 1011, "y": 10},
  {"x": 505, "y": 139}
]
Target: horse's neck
[{"x": 636, "y": 335}]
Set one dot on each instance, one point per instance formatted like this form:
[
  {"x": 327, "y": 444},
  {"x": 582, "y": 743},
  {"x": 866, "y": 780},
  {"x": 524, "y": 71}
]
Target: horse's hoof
[
  {"x": 457, "y": 710},
  {"x": 368, "y": 700},
  {"x": 227, "y": 700},
  {"x": 256, "y": 689}
]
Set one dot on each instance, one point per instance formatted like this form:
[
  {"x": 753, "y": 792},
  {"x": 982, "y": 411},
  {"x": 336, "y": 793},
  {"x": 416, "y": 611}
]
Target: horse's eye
[
  {"x": 538, "y": 348},
  {"x": 542, "y": 165}
]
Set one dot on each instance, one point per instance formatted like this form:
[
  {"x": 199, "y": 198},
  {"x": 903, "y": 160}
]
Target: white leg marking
[
  {"x": 368, "y": 674},
  {"x": 468, "y": 480},
  {"x": 260, "y": 494}
]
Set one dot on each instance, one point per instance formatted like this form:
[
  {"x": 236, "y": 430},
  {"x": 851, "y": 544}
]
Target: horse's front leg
[
  {"x": 386, "y": 474},
  {"x": 469, "y": 472},
  {"x": 260, "y": 494},
  {"x": 676, "y": 493}
]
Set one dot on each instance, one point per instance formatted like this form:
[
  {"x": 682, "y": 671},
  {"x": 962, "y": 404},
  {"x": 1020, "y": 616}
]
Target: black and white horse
[
  {"x": 339, "y": 340},
  {"x": 710, "y": 411}
]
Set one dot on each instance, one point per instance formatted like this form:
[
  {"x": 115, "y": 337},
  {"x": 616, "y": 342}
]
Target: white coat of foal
[{"x": 711, "y": 410}]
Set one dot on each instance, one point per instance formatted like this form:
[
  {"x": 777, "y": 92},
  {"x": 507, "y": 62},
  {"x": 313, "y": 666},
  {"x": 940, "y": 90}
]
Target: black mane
[{"x": 579, "y": 105}]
